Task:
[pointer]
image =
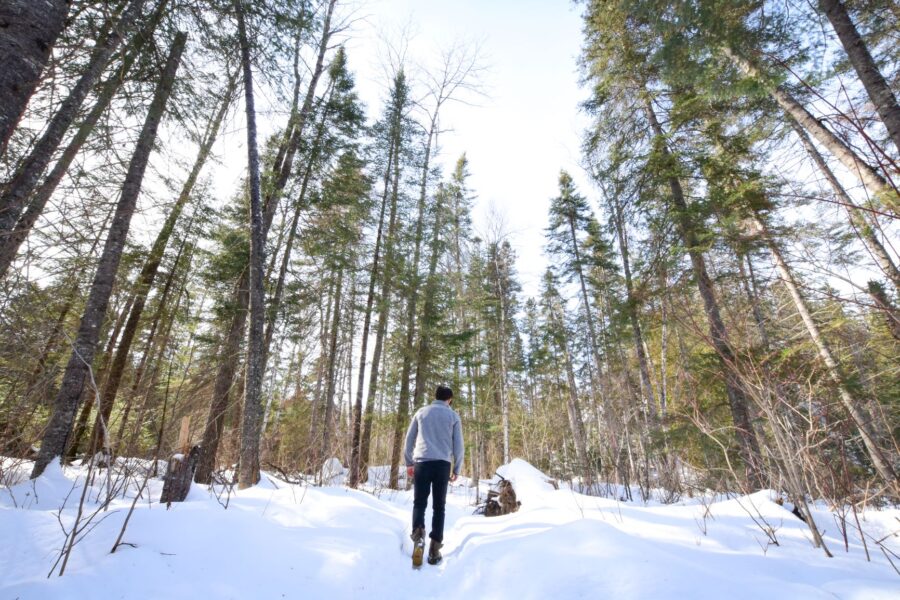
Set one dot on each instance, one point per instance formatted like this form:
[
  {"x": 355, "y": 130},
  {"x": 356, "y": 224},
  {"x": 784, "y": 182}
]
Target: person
[{"x": 434, "y": 438}]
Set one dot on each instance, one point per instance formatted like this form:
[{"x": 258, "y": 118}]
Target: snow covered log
[{"x": 179, "y": 473}]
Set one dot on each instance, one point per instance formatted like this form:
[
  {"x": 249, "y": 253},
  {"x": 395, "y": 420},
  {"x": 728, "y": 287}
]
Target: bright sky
[
  {"x": 517, "y": 136},
  {"x": 526, "y": 128}
]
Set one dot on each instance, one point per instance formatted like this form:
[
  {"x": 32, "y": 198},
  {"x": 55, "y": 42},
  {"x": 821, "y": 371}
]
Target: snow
[
  {"x": 280, "y": 540},
  {"x": 333, "y": 472}
]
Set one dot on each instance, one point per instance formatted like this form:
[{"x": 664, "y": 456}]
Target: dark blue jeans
[{"x": 433, "y": 476}]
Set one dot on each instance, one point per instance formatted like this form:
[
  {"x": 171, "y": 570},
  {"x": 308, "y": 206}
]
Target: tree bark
[
  {"x": 595, "y": 352},
  {"x": 28, "y": 30},
  {"x": 576, "y": 422},
  {"x": 77, "y": 370},
  {"x": 501, "y": 353},
  {"x": 10, "y": 243},
  {"x": 298, "y": 120},
  {"x": 248, "y": 473},
  {"x": 89, "y": 395},
  {"x": 113, "y": 375},
  {"x": 227, "y": 366},
  {"x": 31, "y": 168},
  {"x": 877, "y": 88},
  {"x": 151, "y": 341}
]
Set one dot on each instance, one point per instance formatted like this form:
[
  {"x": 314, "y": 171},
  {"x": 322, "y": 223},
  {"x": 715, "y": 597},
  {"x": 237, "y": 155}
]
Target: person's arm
[
  {"x": 411, "y": 435},
  {"x": 459, "y": 450}
]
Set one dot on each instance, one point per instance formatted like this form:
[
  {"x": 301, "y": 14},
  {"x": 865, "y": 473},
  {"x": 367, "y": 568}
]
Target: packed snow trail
[{"x": 278, "y": 540}]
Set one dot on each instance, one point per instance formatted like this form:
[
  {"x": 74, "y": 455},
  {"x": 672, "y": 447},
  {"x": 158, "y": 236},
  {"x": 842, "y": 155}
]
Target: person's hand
[
  {"x": 410, "y": 471},
  {"x": 453, "y": 477}
]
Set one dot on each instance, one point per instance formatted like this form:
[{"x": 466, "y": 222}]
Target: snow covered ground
[{"x": 279, "y": 540}]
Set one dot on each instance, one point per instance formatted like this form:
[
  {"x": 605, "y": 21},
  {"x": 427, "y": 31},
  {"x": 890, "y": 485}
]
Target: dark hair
[{"x": 443, "y": 393}]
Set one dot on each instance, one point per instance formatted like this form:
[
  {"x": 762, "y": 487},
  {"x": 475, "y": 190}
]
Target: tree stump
[
  {"x": 179, "y": 473},
  {"x": 501, "y": 501}
]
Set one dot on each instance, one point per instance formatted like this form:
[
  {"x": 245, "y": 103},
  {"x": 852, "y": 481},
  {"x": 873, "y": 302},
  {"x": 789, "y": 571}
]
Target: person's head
[{"x": 444, "y": 393}]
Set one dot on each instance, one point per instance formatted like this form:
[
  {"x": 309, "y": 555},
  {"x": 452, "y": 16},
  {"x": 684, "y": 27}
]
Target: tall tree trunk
[
  {"x": 738, "y": 399},
  {"x": 113, "y": 375},
  {"x": 162, "y": 349},
  {"x": 356, "y": 428},
  {"x": 749, "y": 285},
  {"x": 872, "y": 180},
  {"x": 400, "y": 421},
  {"x": 230, "y": 350},
  {"x": 145, "y": 279},
  {"x": 300, "y": 204},
  {"x": 501, "y": 354},
  {"x": 664, "y": 349},
  {"x": 423, "y": 352},
  {"x": 877, "y": 88},
  {"x": 10, "y": 243},
  {"x": 595, "y": 352},
  {"x": 631, "y": 307},
  {"x": 73, "y": 284},
  {"x": 856, "y": 214},
  {"x": 26, "y": 39},
  {"x": 854, "y": 407},
  {"x": 224, "y": 382},
  {"x": 576, "y": 422},
  {"x": 88, "y": 394},
  {"x": 77, "y": 370},
  {"x": 330, "y": 369},
  {"x": 130, "y": 402},
  {"x": 298, "y": 121},
  {"x": 321, "y": 366},
  {"x": 401, "y": 418},
  {"x": 32, "y": 167},
  {"x": 248, "y": 473},
  {"x": 473, "y": 400},
  {"x": 384, "y": 303}
]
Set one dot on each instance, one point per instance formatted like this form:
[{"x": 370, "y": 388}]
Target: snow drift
[{"x": 279, "y": 540}]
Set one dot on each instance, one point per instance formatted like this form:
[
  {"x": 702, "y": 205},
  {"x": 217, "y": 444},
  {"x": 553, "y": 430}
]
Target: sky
[
  {"x": 526, "y": 126},
  {"x": 518, "y": 133}
]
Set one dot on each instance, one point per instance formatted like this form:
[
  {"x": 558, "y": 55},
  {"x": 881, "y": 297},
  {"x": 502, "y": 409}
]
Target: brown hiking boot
[
  {"x": 434, "y": 552},
  {"x": 417, "y": 534},
  {"x": 418, "y": 538}
]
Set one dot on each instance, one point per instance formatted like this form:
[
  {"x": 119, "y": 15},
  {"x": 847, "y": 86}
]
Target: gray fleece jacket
[{"x": 435, "y": 433}]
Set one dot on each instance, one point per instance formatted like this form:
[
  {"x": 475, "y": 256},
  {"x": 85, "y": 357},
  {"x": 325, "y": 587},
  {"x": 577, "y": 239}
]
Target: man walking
[{"x": 433, "y": 438}]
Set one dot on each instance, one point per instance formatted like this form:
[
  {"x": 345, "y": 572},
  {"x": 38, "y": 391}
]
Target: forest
[{"x": 721, "y": 309}]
